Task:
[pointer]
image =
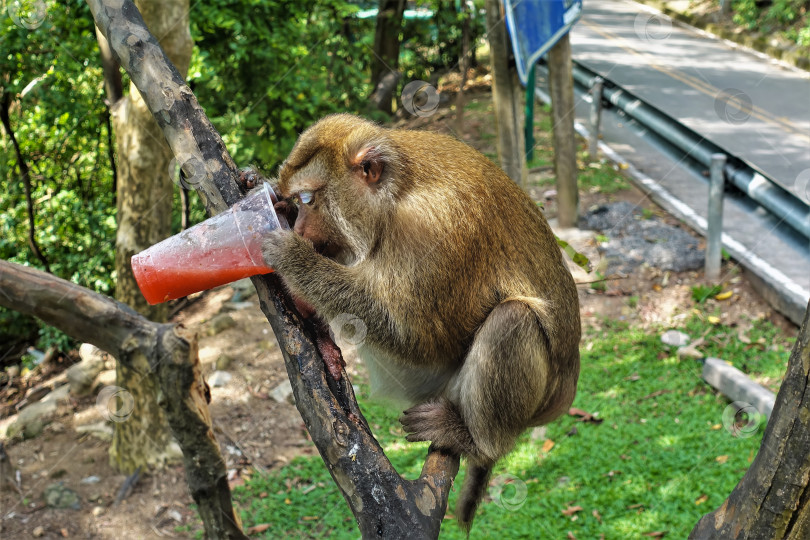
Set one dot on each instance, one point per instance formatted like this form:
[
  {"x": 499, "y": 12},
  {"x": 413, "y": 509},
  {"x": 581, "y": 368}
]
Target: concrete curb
[{"x": 737, "y": 386}]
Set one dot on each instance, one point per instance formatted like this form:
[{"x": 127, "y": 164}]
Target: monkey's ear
[{"x": 369, "y": 164}]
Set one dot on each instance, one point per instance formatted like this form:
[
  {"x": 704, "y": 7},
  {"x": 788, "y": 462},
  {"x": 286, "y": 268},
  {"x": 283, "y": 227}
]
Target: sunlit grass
[{"x": 659, "y": 460}]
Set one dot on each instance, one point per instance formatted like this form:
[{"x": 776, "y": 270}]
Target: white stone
[
  {"x": 219, "y": 378},
  {"x": 674, "y": 338},
  {"x": 282, "y": 393}
]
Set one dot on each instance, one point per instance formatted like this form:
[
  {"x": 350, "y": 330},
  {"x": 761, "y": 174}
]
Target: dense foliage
[
  {"x": 266, "y": 70},
  {"x": 263, "y": 71},
  {"x": 51, "y": 80},
  {"x": 787, "y": 17}
]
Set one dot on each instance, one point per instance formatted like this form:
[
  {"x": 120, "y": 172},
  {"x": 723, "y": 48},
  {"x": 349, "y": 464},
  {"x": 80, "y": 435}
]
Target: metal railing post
[{"x": 714, "y": 245}]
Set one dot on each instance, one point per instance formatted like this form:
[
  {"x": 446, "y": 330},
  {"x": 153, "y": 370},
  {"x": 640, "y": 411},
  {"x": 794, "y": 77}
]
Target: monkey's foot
[
  {"x": 439, "y": 422},
  {"x": 249, "y": 178}
]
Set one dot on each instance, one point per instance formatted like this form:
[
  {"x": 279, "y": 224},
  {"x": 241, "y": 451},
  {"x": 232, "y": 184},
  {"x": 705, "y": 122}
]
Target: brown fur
[{"x": 471, "y": 314}]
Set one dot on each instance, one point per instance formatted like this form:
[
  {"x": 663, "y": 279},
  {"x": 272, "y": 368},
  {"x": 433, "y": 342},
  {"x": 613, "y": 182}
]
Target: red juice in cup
[{"x": 221, "y": 249}]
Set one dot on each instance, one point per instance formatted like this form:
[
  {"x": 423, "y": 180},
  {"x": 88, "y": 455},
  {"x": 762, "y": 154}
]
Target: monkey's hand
[
  {"x": 289, "y": 254},
  {"x": 250, "y": 178}
]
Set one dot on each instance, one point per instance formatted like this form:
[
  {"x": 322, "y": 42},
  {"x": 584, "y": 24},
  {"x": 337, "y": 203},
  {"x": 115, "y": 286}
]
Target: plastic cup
[{"x": 221, "y": 249}]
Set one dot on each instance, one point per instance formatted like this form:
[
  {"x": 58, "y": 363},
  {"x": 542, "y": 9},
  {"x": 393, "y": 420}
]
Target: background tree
[
  {"x": 144, "y": 196},
  {"x": 386, "y": 46}
]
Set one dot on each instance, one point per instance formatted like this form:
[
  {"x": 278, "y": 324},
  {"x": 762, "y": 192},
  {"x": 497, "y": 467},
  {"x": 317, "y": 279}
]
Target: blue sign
[{"x": 536, "y": 25}]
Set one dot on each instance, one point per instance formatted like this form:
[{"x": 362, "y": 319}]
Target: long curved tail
[{"x": 475, "y": 485}]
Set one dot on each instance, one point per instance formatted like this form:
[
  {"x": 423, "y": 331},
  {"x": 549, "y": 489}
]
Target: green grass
[
  {"x": 651, "y": 464},
  {"x": 701, "y": 293}
]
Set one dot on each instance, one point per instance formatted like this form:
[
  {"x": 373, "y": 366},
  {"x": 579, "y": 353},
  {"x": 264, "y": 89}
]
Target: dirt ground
[{"x": 256, "y": 431}]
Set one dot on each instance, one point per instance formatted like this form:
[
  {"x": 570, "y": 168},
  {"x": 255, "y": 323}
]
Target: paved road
[{"x": 750, "y": 106}]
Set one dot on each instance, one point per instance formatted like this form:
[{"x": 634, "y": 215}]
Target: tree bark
[
  {"x": 386, "y": 45},
  {"x": 772, "y": 501},
  {"x": 144, "y": 200},
  {"x": 328, "y": 407},
  {"x": 156, "y": 352},
  {"x": 561, "y": 88},
  {"x": 506, "y": 97},
  {"x": 113, "y": 82}
]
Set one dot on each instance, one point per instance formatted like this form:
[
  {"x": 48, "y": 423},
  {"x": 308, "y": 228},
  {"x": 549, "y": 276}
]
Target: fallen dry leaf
[
  {"x": 633, "y": 377},
  {"x": 702, "y": 499},
  {"x": 717, "y": 426},
  {"x": 584, "y": 416},
  {"x": 713, "y": 319},
  {"x": 571, "y": 510},
  {"x": 724, "y": 295},
  {"x": 597, "y": 516},
  {"x": 256, "y": 529},
  {"x": 548, "y": 444},
  {"x": 721, "y": 459},
  {"x": 656, "y": 534},
  {"x": 571, "y": 536}
]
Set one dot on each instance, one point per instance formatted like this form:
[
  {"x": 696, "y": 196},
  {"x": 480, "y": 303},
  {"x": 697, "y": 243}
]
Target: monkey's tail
[{"x": 472, "y": 491}]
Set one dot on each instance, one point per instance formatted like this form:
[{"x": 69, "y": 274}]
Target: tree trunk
[
  {"x": 561, "y": 88},
  {"x": 506, "y": 96},
  {"x": 772, "y": 501},
  {"x": 386, "y": 44},
  {"x": 464, "y": 67},
  {"x": 144, "y": 200}
]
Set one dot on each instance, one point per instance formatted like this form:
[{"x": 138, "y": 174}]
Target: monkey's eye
[{"x": 306, "y": 197}]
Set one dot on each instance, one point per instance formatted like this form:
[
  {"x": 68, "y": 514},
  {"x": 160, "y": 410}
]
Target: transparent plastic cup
[{"x": 221, "y": 249}]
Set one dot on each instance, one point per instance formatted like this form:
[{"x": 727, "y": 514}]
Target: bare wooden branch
[
  {"x": 772, "y": 501},
  {"x": 384, "y": 504},
  {"x": 153, "y": 349}
]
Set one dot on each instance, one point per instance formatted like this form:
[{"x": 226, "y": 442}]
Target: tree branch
[
  {"x": 384, "y": 504},
  {"x": 25, "y": 174},
  {"x": 170, "y": 357}
]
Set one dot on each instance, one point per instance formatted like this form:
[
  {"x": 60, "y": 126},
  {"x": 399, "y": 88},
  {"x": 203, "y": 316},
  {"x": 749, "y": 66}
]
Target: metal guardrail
[{"x": 753, "y": 183}]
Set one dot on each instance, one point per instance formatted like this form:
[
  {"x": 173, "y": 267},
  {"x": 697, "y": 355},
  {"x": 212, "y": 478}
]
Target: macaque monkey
[{"x": 471, "y": 315}]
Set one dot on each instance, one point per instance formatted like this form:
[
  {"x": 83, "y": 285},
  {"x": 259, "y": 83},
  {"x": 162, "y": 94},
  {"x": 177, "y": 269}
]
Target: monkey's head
[{"x": 341, "y": 175}]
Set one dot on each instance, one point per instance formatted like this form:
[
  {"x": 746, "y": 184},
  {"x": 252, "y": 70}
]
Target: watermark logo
[
  {"x": 802, "y": 186},
  {"x": 652, "y": 27},
  {"x": 187, "y": 171},
  {"x": 348, "y": 331},
  {"x": 420, "y": 98},
  {"x": 508, "y": 491},
  {"x": 733, "y": 106},
  {"x": 28, "y": 14},
  {"x": 742, "y": 419},
  {"x": 115, "y": 404}
]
